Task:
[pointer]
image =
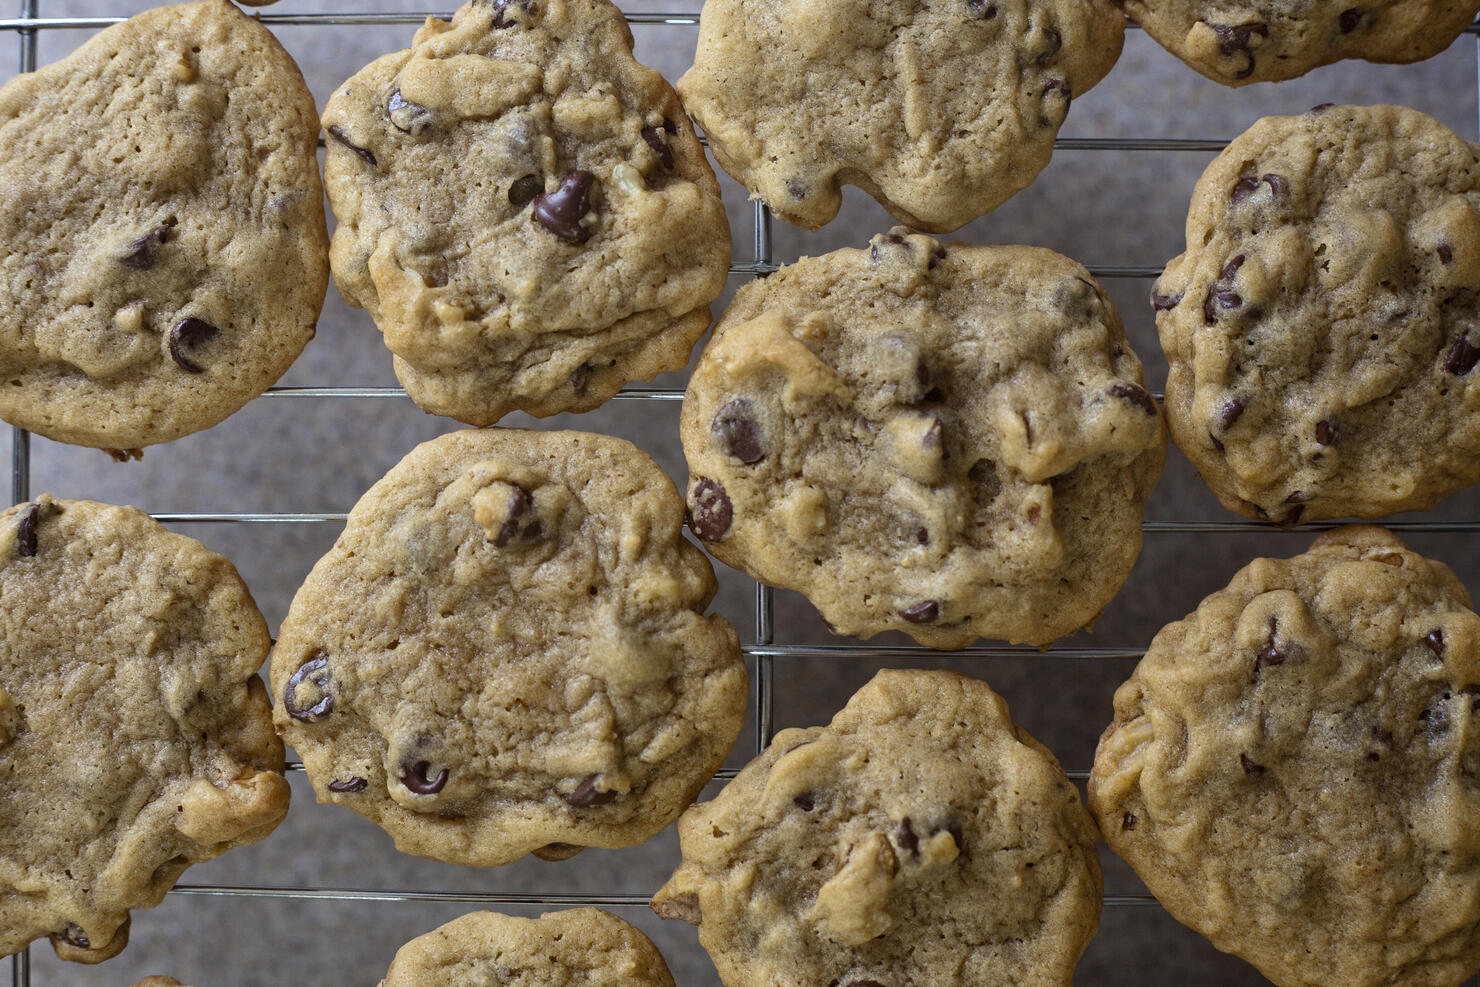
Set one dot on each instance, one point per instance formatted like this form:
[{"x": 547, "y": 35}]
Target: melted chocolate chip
[
  {"x": 337, "y": 132},
  {"x": 316, "y": 671},
  {"x": 1325, "y": 434},
  {"x": 1298, "y": 497},
  {"x": 25, "y": 531},
  {"x": 1234, "y": 39},
  {"x": 580, "y": 378},
  {"x": 922, "y": 613},
  {"x": 140, "y": 253},
  {"x": 560, "y": 211},
  {"x": 1277, "y": 184},
  {"x": 1058, "y": 86},
  {"x": 654, "y": 138},
  {"x": 414, "y": 777},
  {"x": 906, "y": 838},
  {"x": 1349, "y": 20},
  {"x": 922, "y": 536},
  {"x": 523, "y": 191},
  {"x": 804, "y": 802},
  {"x": 586, "y": 794},
  {"x": 1127, "y": 821},
  {"x": 409, "y": 118},
  {"x": 1320, "y": 108},
  {"x": 1270, "y": 654},
  {"x": 982, "y": 9},
  {"x": 1243, "y": 188},
  {"x": 1462, "y": 356},
  {"x": 736, "y": 427},
  {"x": 1446, "y": 253},
  {"x": 1293, "y": 518},
  {"x": 713, "y": 511},
  {"x": 499, "y": 6},
  {"x": 355, "y": 784},
  {"x": 796, "y": 188},
  {"x": 936, "y": 256},
  {"x": 1249, "y": 766},
  {"x": 1435, "y": 640},
  {"x": 556, "y": 851},
  {"x": 1052, "y": 43},
  {"x": 864, "y": 983},
  {"x": 516, "y": 525},
  {"x": 1221, "y": 293},
  {"x": 1229, "y": 413},
  {"x": 190, "y": 332},
  {"x": 1136, "y": 396},
  {"x": 1165, "y": 303},
  {"x": 74, "y": 935}
]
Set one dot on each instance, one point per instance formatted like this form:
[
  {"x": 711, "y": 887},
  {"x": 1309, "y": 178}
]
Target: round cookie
[
  {"x": 504, "y": 652},
  {"x": 1294, "y": 769},
  {"x": 1271, "y": 40},
  {"x": 524, "y": 210},
  {"x": 947, "y": 440},
  {"x": 135, "y": 735},
  {"x": 939, "y": 109},
  {"x": 162, "y": 237},
  {"x": 1318, "y": 329},
  {"x": 876, "y": 850},
  {"x": 582, "y": 946}
]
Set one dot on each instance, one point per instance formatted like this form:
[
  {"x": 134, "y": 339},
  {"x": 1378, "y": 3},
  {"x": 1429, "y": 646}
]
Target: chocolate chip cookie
[
  {"x": 162, "y": 237},
  {"x": 524, "y": 210},
  {"x": 939, "y": 109},
  {"x": 585, "y": 946},
  {"x": 135, "y": 735},
  {"x": 1271, "y": 40},
  {"x": 505, "y": 652},
  {"x": 1294, "y": 769},
  {"x": 1319, "y": 329},
  {"x": 943, "y": 439},
  {"x": 879, "y": 850}
]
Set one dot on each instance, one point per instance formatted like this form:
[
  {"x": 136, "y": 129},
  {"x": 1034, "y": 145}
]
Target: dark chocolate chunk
[
  {"x": 713, "y": 511},
  {"x": 499, "y": 6},
  {"x": 982, "y": 9},
  {"x": 1349, "y": 20},
  {"x": 1446, "y": 253},
  {"x": 804, "y": 802},
  {"x": 1249, "y": 766},
  {"x": 25, "y": 531},
  {"x": 1325, "y": 434},
  {"x": 560, "y": 211},
  {"x": 1235, "y": 39},
  {"x": 337, "y": 132},
  {"x": 140, "y": 253},
  {"x": 1435, "y": 640},
  {"x": 1135, "y": 395},
  {"x": 415, "y": 778},
  {"x": 315, "y": 670},
  {"x": 586, "y": 794},
  {"x": 1462, "y": 356},
  {"x": 736, "y": 427},
  {"x": 906, "y": 838},
  {"x": 521, "y": 524},
  {"x": 1221, "y": 293},
  {"x": 922, "y": 613},
  {"x": 654, "y": 138},
  {"x": 190, "y": 332},
  {"x": 1127, "y": 821},
  {"x": 355, "y": 784},
  {"x": 74, "y": 935},
  {"x": 1230, "y": 412},
  {"x": 1165, "y": 303},
  {"x": 523, "y": 191}
]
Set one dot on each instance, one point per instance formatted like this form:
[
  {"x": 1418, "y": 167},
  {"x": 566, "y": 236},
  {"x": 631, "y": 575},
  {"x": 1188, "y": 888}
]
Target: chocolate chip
[
  {"x": 1234, "y": 39},
  {"x": 804, "y": 802},
  {"x": 1349, "y": 20},
  {"x": 1270, "y": 654},
  {"x": 315, "y": 670},
  {"x": 409, "y": 118},
  {"x": 25, "y": 531},
  {"x": 1127, "y": 821},
  {"x": 140, "y": 253},
  {"x": 1325, "y": 434},
  {"x": 1435, "y": 640},
  {"x": 654, "y": 138},
  {"x": 1462, "y": 356},
  {"x": 1249, "y": 766},
  {"x": 1277, "y": 184},
  {"x": 922, "y": 613},
  {"x": 1243, "y": 188},
  {"x": 864, "y": 983},
  {"x": 1217, "y": 443},
  {"x": 1221, "y": 293},
  {"x": 586, "y": 794},
  {"x": 796, "y": 188},
  {"x": 520, "y": 523},
  {"x": 1293, "y": 518},
  {"x": 1165, "y": 303},
  {"x": 906, "y": 838},
  {"x": 713, "y": 511},
  {"x": 556, "y": 851},
  {"x": 982, "y": 9},
  {"x": 1058, "y": 86},
  {"x": 355, "y": 784},
  {"x": 580, "y": 378},
  {"x": 1381, "y": 735},
  {"x": 1446, "y": 253},
  {"x": 1230, "y": 411},
  {"x": 922, "y": 536},
  {"x": 73, "y": 934},
  {"x": 1135, "y": 395},
  {"x": 560, "y": 211},
  {"x": 190, "y": 332},
  {"x": 936, "y": 256},
  {"x": 1320, "y": 108},
  {"x": 414, "y": 777},
  {"x": 337, "y": 132},
  {"x": 523, "y": 191},
  {"x": 736, "y": 427},
  {"x": 499, "y": 6}
]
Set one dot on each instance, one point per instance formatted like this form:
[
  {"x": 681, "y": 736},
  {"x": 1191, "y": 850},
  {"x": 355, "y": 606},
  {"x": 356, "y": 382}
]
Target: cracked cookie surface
[
  {"x": 135, "y": 735},
  {"x": 524, "y": 210},
  {"x": 165, "y": 252},
  {"x": 875, "y": 850},
  {"x": 581, "y": 947},
  {"x": 505, "y": 652},
  {"x": 939, "y": 109},
  {"x": 1320, "y": 327},
  {"x": 943, "y": 439},
  {"x": 1294, "y": 769}
]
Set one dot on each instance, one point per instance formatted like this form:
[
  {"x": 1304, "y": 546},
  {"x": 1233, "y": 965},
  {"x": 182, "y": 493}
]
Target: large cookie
[
  {"x": 1270, "y": 40},
  {"x": 947, "y": 440},
  {"x": 162, "y": 237},
  {"x": 940, "y": 109},
  {"x": 135, "y": 736},
  {"x": 505, "y": 650},
  {"x": 524, "y": 210},
  {"x": 880, "y": 850},
  {"x": 1294, "y": 769},
  {"x": 583, "y": 946},
  {"x": 1319, "y": 329}
]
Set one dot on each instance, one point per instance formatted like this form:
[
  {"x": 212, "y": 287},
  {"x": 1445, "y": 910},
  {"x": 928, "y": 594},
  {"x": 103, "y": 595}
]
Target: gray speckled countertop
[{"x": 298, "y": 454}]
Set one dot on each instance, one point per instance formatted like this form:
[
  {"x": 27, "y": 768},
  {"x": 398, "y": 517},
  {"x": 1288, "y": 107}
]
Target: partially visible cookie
[
  {"x": 921, "y": 839},
  {"x": 160, "y": 981},
  {"x": 505, "y": 652},
  {"x": 943, "y": 439},
  {"x": 582, "y": 946},
  {"x": 135, "y": 735},
  {"x": 1320, "y": 327},
  {"x": 162, "y": 241},
  {"x": 1271, "y": 40},
  {"x": 1294, "y": 769},
  {"x": 524, "y": 210},
  {"x": 939, "y": 109}
]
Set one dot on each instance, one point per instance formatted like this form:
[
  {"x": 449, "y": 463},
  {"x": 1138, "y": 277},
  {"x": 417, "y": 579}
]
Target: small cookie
[
  {"x": 505, "y": 652},
  {"x": 585, "y": 946},
  {"x": 1294, "y": 769},
  {"x": 135, "y": 736},
  {"x": 524, "y": 210},
  {"x": 162, "y": 237},
  {"x": 947, "y": 440},
  {"x": 1271, "y": 40},
  {"x": 1319, "y": 329},
  {"x": 879, "y": 850},
  {"x": 939, "y": 109}
]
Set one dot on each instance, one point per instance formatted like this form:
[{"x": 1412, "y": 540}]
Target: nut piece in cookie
[
  {"x": 1294, "y": 768},
  {"x": 524, "y": 210},
  {"x": 841, "y": 852},
  {"x": 506, "y": 653},
  {"x": 135, "y": 736},
  {"x": 1320, "y": 328},
  {"x": 947, "y": 440}
]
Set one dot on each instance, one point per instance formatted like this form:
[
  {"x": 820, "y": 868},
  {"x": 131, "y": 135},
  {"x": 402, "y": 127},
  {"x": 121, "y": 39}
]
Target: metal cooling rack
[{"x": 762, "y": 649}]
